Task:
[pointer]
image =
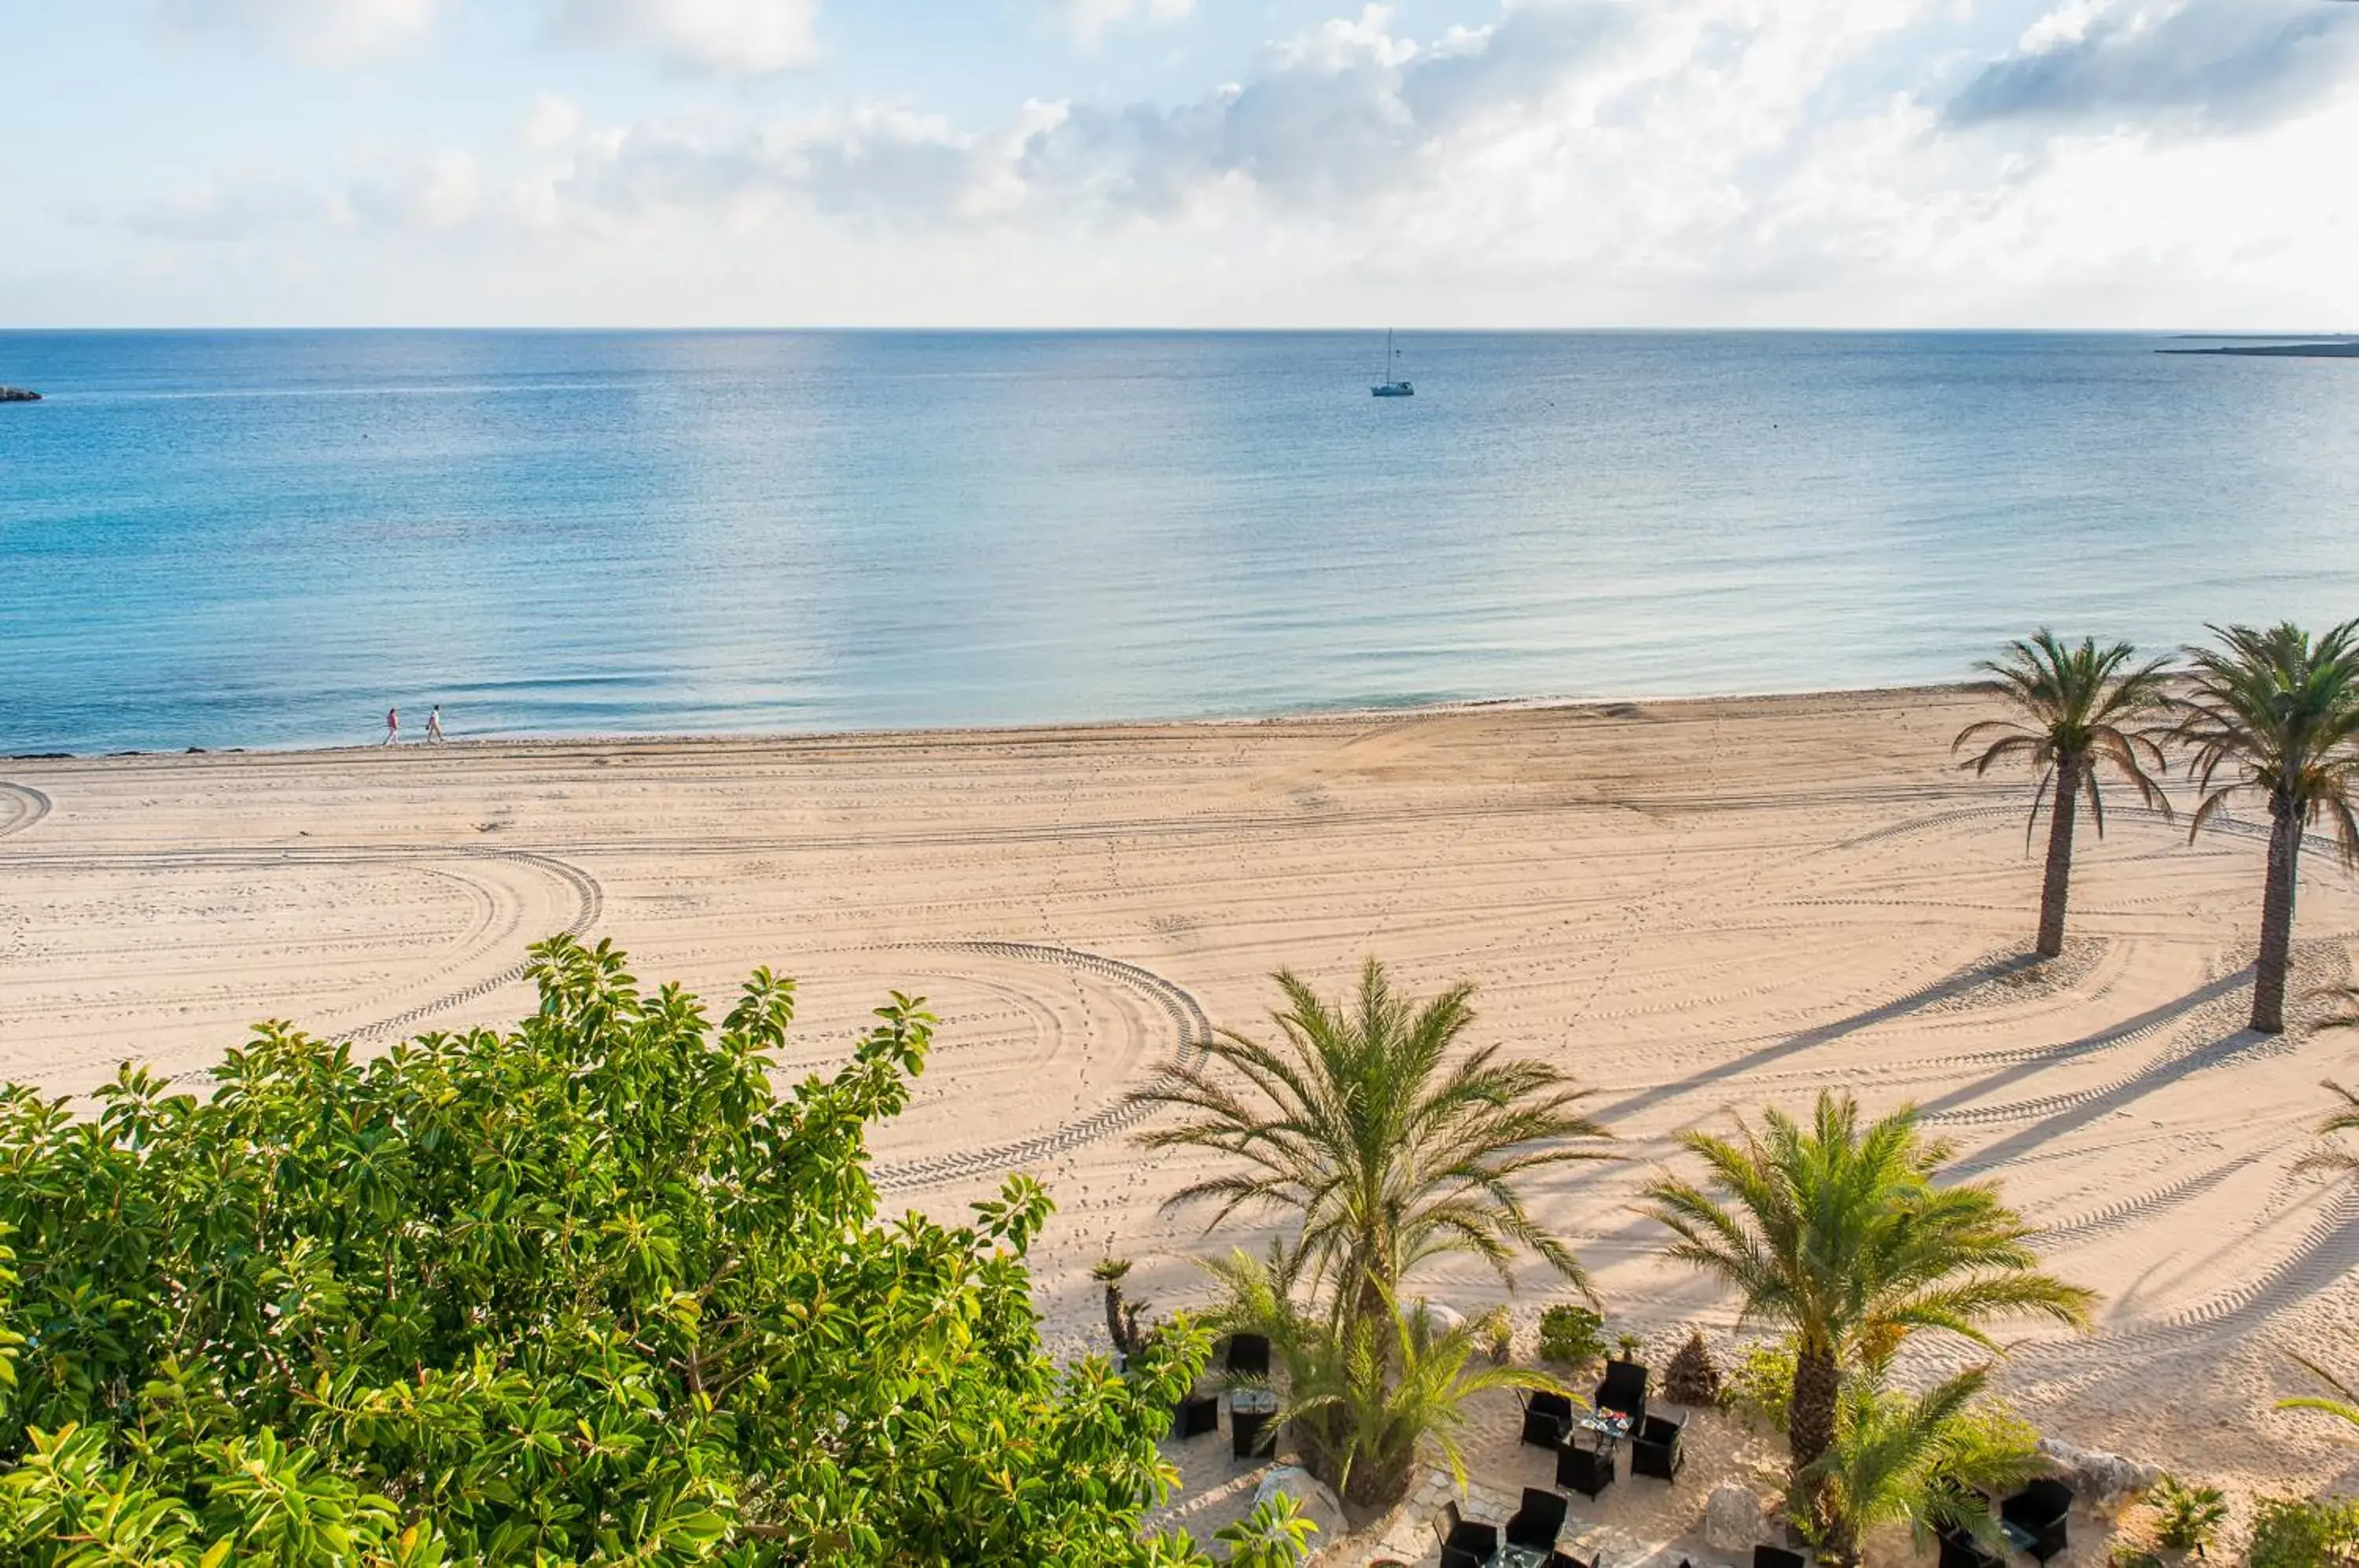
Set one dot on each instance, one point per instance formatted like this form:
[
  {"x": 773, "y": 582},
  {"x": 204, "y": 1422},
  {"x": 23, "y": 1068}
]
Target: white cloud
[
  {"x": 1089, "y": 20},
  {"x": 551, "y": 122},
  {"x": 234, "y": 208},
  {"x": 2231, "y": 62},
  {"x": 438, "y": 195},
  {"x": 318, "y": 32},
  {"x": 702, "y": 38},
  {"x": 1598, "y": 161}
]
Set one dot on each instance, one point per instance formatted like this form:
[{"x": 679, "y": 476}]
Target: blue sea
[{"x": 264, "y": 538}]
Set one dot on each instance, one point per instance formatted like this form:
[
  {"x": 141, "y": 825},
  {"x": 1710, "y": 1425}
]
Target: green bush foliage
[
  {"x": 2186, "y": 1519},
  {"x": 2291, "y": 1532},
  {"x": 1571, "y": 1335},
  {"x": 1275, "y": 1535},
  {"x": 590, "y": 1292},
  {"x": 1761, "y": 1384},
  {"x": 1989, "y": 1438}
]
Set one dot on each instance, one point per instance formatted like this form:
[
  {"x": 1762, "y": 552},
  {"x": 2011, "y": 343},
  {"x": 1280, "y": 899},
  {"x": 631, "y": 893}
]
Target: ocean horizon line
[{"x": 200, "y": 328}]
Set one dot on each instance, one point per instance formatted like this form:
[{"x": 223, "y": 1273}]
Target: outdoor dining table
[
  {"x": 1610, "y": 1428},
  {"x": 1523, "y": 1557}
]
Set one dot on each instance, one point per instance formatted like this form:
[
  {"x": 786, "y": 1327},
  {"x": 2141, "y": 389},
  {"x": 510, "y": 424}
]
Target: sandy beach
[{"x": 1694, "y": 907}]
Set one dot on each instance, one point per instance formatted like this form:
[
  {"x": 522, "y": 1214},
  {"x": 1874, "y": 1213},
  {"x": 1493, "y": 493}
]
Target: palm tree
[
  {"x": 1363, "y": 1392},
  {"x": 1928, "y": 1462},
  {"x": 2076, "y": 706},
  {"x": 2329, "y": 1157},
  {"x": 2280, "y": 712},
  {"x": 2343, "y": 1404},
  {"x": 1364, "y": 1121},
  {"x": 1841, "y": 1234}
]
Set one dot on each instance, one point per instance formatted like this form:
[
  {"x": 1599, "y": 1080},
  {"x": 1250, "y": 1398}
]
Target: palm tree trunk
[
  {"x": 1113, "y": 1319},
  {"x": 2276, "y": 918},
  {"x": 2058, "y": 888},
  {"x": 1811, "y": 1421}
]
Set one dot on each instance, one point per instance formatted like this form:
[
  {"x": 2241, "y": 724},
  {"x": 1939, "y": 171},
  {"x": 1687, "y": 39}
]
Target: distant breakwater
[{"x": 2339, "y": 349}]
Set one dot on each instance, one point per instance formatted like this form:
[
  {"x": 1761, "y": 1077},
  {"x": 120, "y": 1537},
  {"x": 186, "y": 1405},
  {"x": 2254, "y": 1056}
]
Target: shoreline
[{"x": 525, "y": 745}]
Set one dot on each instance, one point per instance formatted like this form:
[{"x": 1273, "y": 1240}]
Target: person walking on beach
[
  {"x": 392, "y": 726},
  {"x": 434, "y": 725}
]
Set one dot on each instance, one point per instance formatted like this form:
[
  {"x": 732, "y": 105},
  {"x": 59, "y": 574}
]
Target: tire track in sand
[
  {"x": 1182, "y": 1011},
  {"x": 21, "y": 806},
  {"x": 589, "y": 899}
]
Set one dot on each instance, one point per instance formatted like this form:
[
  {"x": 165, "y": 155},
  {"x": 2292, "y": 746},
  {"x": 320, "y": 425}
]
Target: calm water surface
[{"x": 264, "y": 539}]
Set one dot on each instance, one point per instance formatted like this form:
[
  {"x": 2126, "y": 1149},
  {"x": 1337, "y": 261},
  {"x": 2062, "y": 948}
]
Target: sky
[{"x": 2179, "y": 164}]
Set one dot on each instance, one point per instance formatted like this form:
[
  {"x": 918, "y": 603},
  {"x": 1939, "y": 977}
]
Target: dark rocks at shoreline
[{"x": 18, "y": 395}]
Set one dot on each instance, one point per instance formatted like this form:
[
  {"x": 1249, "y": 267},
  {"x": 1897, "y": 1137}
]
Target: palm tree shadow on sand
[
  {"x": 1958, "y": 983},
  {"x": 2155, "y": 1075},
  {"x": 2130, "y": 1028}
]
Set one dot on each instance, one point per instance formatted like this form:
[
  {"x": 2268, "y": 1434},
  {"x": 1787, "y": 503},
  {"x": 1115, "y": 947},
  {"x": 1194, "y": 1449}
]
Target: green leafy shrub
[
  {"x": 2292, "y": 1532},
  {"x": 1275, "y": 1535},
  {"x": 1499, "y": 1335},
  {"x": 593, "y": 1290},
  {"x": 1762, "y": 1382},
  {"x": 2186, "y": 1519},
  {"x": 1990, "y": 1439},
  {"x": 1571, "y": 1335}
]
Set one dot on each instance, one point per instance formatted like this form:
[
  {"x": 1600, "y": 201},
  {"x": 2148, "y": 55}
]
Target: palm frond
[
  {"x": 2077, "y": 706},
  {"x": 1841, "y": 1234},
  {"x": 2345, "y": 1404},
  {"x": 1367, "y": 1120}
]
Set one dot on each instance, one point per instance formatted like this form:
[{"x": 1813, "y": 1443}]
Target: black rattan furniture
[
  {"x": 1249, "y": 1355},
  {"x": 1588, "y": 1471},
  {"x": 1624, "y": 1389},
  {"x": 1197, "y": 1414},
  {"x": 1777, "y": 1557},
  {"x": 1537, "y": 1522},
  {"x": 1547, "y": 1420},
  {"x": 2034, "y": 1517},
  {"x": 1961, "y": 1550},
  {"x": 1250, "y": 1435},
  {"x": 1465, "y": 1543},
  {"x": 1655, "y": 1448}
]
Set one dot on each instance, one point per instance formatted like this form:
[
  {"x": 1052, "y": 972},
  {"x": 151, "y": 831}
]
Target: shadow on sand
[{"x": 1956, "y": 983}]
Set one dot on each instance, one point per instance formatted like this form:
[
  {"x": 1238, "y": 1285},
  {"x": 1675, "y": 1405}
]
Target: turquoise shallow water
[{"x": 256, "y": 539}]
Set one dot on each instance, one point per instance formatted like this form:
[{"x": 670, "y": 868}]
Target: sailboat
[{"x": 1388, "y": 386}]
